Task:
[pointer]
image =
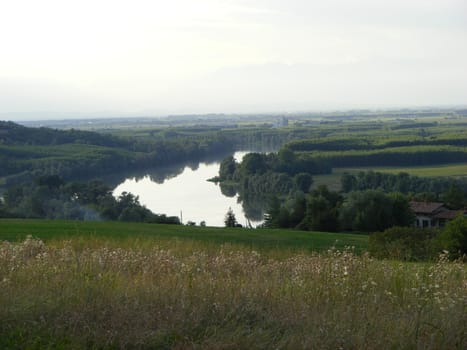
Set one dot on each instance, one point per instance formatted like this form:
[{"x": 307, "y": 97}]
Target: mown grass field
[
  {"x": 450, "y": 170},
  {"x": 19, "y": 229}
]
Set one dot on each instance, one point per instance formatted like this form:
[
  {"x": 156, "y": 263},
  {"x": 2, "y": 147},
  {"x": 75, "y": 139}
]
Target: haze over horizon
[{"x": 141, "y": 57}]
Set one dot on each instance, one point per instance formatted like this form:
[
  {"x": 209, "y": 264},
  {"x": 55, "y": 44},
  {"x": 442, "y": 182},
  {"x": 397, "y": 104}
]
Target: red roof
[
  {"x": 425, "y": 207},
  {"x": 448, "y": 214}
]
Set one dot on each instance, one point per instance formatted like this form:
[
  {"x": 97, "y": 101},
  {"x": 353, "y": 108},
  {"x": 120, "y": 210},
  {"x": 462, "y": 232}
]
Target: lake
[{"x": 186, "y": 194}]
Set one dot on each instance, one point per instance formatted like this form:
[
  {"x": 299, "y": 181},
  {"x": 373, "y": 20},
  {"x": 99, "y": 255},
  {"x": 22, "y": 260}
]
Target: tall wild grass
[{"x": 184, "y": 295}]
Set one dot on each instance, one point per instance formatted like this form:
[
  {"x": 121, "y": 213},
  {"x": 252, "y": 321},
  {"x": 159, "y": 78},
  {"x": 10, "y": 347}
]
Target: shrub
[
  {"x": 405, "y": 243},
  {"x": 454, "y": 237}
]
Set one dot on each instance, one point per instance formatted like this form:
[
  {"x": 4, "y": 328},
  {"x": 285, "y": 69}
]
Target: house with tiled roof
[{"x": 433, "y": 214}]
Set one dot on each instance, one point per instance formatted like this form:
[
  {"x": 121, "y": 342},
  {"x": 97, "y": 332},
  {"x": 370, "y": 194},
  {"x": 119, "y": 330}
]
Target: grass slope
[{"x": 19, "y": 229}]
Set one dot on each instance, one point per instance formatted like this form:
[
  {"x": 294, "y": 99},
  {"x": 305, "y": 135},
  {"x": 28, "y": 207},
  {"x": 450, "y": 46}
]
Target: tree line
[
  {"x": 50, "y": 197},
  {"x": 394, "y": 156},
  {"x": 356, "y": 142},
  {"x": 325, "y": 210},
  {"x": 27, "y": 153},
  {"x": 449, "y": 190}
]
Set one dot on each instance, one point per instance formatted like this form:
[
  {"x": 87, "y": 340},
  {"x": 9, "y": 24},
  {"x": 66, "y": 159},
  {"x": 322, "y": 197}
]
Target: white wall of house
[{"x": 425, "y": 221}]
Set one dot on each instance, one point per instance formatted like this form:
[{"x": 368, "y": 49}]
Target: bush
[
  {"x": 454, "y": 237},
  {"x": 405, "y": 243}
]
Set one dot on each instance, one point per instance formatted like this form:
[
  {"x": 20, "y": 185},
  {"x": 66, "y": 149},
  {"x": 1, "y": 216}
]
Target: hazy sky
[{"x": 199, "y": 56}]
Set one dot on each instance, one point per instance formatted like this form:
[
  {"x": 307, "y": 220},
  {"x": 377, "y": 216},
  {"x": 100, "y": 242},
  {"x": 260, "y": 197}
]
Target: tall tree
[{"x": 230, "y": 220}]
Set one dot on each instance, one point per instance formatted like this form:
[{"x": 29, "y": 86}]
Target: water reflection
[
  {"x": 185, "y": 192},
  {"x": 228, "y": 190},
  {"x": 159, "y": 174},
  {"x": 254, "y": 207}
]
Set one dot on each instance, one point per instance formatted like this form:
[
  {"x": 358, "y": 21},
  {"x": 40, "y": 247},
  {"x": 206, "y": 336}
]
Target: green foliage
[
  {"x": 453, "y": 190},
  {"x": 394, "y": 156},
  {"x": 51, "y": 181},
  {"x": 456, "y": 196},
  {"x": 26, "y": 153},
  {"x": 285, "y": 160},
  {"x": 298, "y": 211},
  {"x": 373, "y": 210},
  {"x": 227, "y": 168},
  {"x": 370, "y": 142},
  {"x": 405, "y": 243},
  {"x": 252, "y": 164},
  {"x": 329, "y": 144},
  {"x": 268, "y": 183},
  {"x": 401, "y": 212},
  {"x": 303, "y": 182},
  {"x": 15, "y": 134},
  {"x": 454, "y": 237},
  {"x": 271, "y": 218},
  {"x": 348, "y": 183},
  {"x": 317, "y": 210},
  {"x": 50, "y": 197},
  {"x": 323, "y": 210}
]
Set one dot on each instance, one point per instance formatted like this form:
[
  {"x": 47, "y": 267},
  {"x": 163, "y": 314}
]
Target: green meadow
[{"x": 19, "y": 229}]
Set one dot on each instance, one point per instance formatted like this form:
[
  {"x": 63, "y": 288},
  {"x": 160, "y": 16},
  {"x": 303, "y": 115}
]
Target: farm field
[
  {"x": 112, "y": 291},
  {"x": 447, "y": 170}
]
